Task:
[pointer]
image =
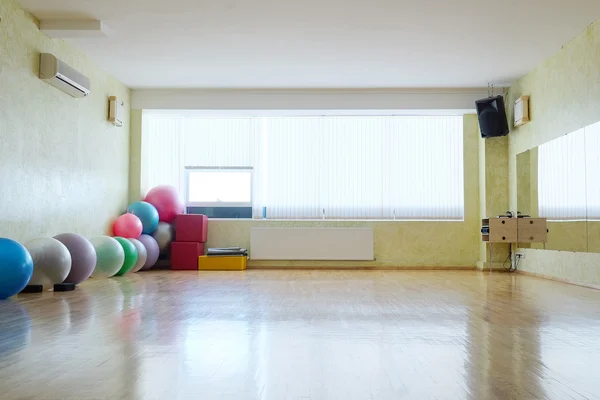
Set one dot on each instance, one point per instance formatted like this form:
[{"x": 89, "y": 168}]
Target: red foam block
[
  {"x": 184, "y": 255},
  {"x": 191, "y": 228}
]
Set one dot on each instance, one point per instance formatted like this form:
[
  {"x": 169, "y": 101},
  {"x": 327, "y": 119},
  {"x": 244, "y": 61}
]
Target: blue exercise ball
[
  {"x": 147, "y": 213},
  {"x": 16, "y": 268}
]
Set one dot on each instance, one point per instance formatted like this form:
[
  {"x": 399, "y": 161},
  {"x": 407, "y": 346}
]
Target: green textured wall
[
  {"x": 135, "y": 156},
  {"x": 493, "y": 195},
  {"x": 63, "y": 167},
  {"x": 565, "y": 96},
  {"x": 564, "y": 92}
]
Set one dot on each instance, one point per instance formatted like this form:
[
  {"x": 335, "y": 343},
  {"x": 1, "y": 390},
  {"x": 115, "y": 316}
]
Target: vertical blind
[
  {"x": 561, "y": 178},
  {"x": 592, "y": 166},
  {"x": 568, "y": 185},
  {"x": 392, "y": 167}
]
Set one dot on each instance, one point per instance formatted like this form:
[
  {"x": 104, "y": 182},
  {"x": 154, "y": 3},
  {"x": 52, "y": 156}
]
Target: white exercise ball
[
  {"x": 163, "y": 235},
  {"x": 109, "y": 256},
  {"x": 51, "y": 262},
  {"x": 142, "y": 255}
]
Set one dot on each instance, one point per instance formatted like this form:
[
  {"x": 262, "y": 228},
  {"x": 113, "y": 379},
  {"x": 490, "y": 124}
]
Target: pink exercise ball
[
  {"x": 128, "y": 226},
  {"x": 167, "y": 201}
]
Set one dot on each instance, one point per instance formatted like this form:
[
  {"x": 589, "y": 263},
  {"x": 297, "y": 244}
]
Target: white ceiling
[{"x": 323, "y": 43}]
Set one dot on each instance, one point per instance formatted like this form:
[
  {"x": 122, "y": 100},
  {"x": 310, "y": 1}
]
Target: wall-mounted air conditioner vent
[{"x": 63, "y": 77}]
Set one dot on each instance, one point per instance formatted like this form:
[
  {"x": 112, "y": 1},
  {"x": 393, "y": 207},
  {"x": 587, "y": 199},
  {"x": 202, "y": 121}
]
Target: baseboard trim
[
  {"x": 496, "y": 266},
  {"x": 556, "y": 279},
  {"x": 362, "y": 268}
]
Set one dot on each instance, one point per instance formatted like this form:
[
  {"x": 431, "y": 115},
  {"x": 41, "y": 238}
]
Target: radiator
[{"x": 342, "y": 244}]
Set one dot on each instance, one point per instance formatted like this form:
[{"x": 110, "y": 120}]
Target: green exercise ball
[
  {"x": 109, "y": 254},
  {"x": 131, "y": 255}
]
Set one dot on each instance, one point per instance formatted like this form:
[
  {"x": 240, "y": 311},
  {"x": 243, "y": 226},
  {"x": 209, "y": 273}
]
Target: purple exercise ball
[
  {"x": 152, "y": 249},
  {"x": 83, "y": 256}
]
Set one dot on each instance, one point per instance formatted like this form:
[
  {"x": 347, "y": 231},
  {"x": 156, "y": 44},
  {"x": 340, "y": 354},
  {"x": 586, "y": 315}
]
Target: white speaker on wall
[
  {"x": 522, "y": 110},
  {"x": 115, "y": 111}
]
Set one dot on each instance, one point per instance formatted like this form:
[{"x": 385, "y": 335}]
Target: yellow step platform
[{"x": 222, "y": 263}]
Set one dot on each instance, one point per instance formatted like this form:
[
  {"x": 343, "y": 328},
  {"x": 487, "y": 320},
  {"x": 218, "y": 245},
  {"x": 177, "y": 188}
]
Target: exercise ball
[
  {"x": 51, "y": 262},
  {"x": 16, "y": 268},
  {"x": 152, "y": 251},
  {"x": 167, "y": 201},
  {"x": 147, "y": 213},
  {"x": 83, "y": 257},
  {"x": 110, "y": 256},
  {"x": 163, "y": 235},
  {"x": 131, "y": 256},
  {"x": 142, "y": 255},
  {"x": 128, "y": 226}
]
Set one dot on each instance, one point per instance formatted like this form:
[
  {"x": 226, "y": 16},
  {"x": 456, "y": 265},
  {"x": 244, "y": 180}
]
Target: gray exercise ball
[
  {"x": 164, "y": 236},
  {"x": 51, "y": 262},
  {"x": 83, "y": 257},
  {"x": 152, "y": 251},
  {"x": 142, "y": 255}
]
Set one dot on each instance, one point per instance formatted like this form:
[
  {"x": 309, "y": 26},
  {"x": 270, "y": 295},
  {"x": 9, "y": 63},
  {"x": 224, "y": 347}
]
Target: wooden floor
[{"x": 304, "y": 335}]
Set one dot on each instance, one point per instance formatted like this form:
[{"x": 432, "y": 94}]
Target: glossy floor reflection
[{"x": 304, "y": 335}]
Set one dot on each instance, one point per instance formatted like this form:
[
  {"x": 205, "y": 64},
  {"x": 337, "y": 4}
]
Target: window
[
  {"x": 568, "y": 189},
  {"x": 389, "y": 167},
  {"x": 210, "y": 187},
  {"x": 561, "y": 178},
  {"x": 592, "y": 161},
  {"x": 219, "y": 193}
]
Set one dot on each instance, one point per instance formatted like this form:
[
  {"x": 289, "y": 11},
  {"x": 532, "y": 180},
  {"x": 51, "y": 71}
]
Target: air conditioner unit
[{"x": 63, "y": 77}]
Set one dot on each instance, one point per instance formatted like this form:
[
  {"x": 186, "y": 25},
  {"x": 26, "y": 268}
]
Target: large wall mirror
[{"x": 560, "y": 181}]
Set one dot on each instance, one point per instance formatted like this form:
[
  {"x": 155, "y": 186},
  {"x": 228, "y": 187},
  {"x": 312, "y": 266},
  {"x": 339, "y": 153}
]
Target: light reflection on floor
[{"x": 303, "y": 335}]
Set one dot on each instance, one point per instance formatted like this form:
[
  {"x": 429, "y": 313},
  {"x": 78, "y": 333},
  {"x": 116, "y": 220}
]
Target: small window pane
[{"x": 215, "y": 187}]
